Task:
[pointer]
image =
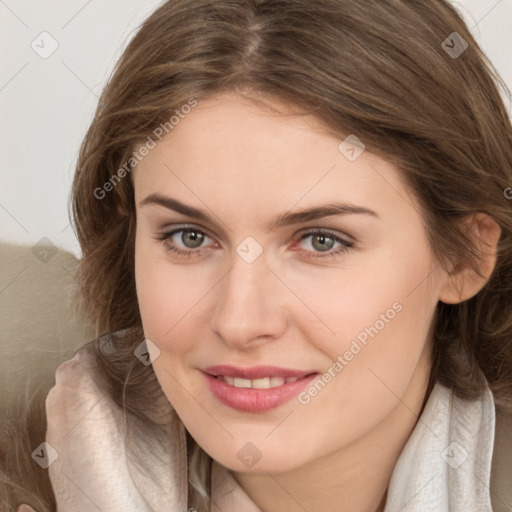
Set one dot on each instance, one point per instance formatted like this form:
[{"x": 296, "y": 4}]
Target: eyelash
[{"x": 345, "y": 245}]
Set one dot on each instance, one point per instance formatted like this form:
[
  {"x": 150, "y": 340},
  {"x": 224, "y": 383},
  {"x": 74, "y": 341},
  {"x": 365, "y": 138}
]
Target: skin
[{"x": 246, "y": 166}]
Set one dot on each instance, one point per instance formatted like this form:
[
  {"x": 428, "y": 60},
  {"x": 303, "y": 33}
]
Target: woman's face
[{"x": 290, "y": 251}]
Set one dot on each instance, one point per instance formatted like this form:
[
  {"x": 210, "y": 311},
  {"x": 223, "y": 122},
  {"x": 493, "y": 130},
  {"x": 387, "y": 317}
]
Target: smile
[
  {"x": 255, "y": 389},
  {"x": 264, "y": 383}
]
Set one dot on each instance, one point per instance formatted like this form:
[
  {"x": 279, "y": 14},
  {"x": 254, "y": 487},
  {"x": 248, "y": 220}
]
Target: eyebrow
[{"x": 284, "y": 219}]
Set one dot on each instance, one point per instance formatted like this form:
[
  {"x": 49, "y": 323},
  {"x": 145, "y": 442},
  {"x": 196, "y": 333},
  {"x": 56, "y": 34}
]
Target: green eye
[
  {"x": 322, "y": 242},
  {"x": 186, "y": 241},
  {"x": 191, "y": 238},
  {"x": 189, "y": 242}
]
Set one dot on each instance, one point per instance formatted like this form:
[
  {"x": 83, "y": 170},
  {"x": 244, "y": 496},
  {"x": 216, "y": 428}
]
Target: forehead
[{"x": 229, "y": 149}]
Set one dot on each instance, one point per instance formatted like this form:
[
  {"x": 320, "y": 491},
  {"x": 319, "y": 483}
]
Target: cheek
[
  {"x": 381, "y": 320},
  {"x": 378, "y": 314},
  {"x": 167, "y": 303},
  {"x": 163, "y": 296}
]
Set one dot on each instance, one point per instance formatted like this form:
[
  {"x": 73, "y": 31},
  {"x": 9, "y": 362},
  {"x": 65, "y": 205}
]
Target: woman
[{"x": 296, "y": 240}]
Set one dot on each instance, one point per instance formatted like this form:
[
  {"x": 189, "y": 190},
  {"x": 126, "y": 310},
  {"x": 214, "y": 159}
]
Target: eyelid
[
  {"x": 328, "y": 231},
  {"x": 171, "y": 229},
  {"x": 334, "y": 253},
  {"x": 346, "y": 242},
  {"x": 168, "y": 229}
]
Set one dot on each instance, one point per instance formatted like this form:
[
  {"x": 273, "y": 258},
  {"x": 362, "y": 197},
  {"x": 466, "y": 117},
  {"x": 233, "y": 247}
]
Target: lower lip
[{"x": 256, "y": 400}]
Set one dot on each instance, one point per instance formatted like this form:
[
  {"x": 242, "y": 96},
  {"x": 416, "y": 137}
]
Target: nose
[{"x": 250, "y": 307}]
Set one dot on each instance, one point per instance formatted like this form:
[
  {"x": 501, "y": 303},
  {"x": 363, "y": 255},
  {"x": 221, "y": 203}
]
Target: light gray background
[{"x": 47, "y": 104}]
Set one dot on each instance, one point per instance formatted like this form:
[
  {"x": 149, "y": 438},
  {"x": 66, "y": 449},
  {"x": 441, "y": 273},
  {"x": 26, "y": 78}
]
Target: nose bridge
[{"x": 247, "y": 303}]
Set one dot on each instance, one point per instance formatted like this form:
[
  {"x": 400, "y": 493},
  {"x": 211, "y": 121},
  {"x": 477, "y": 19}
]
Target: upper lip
[{"x": 255, "y": 372}]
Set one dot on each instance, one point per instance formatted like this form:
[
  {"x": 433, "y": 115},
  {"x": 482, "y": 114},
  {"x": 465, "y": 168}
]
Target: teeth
[
  {"x": 260, "y": 383},
  {"x": 276, "y": 381},
  {"x": 242, "y": 383},
  {"x": 264, "y": 383}
]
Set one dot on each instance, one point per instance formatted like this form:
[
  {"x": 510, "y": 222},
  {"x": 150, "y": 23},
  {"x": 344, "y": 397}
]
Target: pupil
[
  {"x": 193, "y": 236},
  {"x": 323, "y": 245}
]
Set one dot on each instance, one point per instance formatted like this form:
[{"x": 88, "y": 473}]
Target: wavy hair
[{"x": 385, "y": 70}]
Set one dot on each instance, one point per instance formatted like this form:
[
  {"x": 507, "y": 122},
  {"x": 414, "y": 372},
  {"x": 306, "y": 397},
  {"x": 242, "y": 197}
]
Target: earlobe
[{"x": 463, "y": 282}]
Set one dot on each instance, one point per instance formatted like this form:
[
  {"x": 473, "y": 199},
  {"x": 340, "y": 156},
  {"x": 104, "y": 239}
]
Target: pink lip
[{"x": 255, "y": 400}]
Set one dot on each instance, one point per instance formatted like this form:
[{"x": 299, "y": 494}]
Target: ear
[{"x": 463, "y": 282}]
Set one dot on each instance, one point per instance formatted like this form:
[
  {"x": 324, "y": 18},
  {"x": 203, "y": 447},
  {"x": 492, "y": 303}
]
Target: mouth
[
  {"x": 256, "y": 389},
  {"x": 263, "y": 383},
  {"x": 255, "y": 372}
]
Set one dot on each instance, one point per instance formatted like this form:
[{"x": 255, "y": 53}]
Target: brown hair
[{"x": 380, "y": 69}]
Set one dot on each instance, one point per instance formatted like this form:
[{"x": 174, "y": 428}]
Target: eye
[
  {"x": 184, "y": 241},
  {"x": 190, "y": 241},
  {"x": 324, "y": 244}
]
